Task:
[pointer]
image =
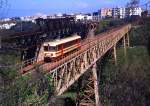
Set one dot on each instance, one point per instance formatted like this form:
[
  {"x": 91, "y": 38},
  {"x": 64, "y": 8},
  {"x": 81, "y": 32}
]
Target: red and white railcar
[{"x": 60, "y": 47}]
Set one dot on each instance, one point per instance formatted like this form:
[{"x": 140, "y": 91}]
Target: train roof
[{"x": 61, "y": 41}]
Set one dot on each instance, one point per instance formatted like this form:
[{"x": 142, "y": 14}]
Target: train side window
[
  {"x": 59, "y": 47},
  {"x": 66, "y": 45},
  {"x": 52, "y": 48},
  {"x": 45, "y": 48}
]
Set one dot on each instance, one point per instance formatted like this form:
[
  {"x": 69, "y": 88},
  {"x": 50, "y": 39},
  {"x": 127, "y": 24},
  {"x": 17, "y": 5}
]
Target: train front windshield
[
  {"x": 45, "y": 48},
  {"x": 49, "y": 48}
]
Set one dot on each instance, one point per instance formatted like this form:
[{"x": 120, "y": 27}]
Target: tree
[
  {"x": 148, "y": 45},
  {"x": 132, "y": 5}
]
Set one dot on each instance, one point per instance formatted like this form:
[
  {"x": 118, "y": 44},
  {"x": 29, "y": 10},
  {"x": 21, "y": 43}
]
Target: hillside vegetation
[{"x": 128, "y": 83}]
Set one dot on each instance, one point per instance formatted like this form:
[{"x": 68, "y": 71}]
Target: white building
[
  {"x": 89, "y": 17},
  {"x": 125, "y": 12},
  {"x": 83, "y": 17},
  {"x": 115, "y": 12},
  {"x": 59, "y": 15},
  {"x": 51, "y": 16},
  {"x": 29, "y": 18},
  {"x": 41, "y": 15},
  {"x": 79, "y": 17},
  {"x": 135, "y": 11},
  {"x": 5, "y": 19},
  {"x": 105, "y": 12},
  {"x": 7, "y": 26},
  {"x": 119, "y": 12},
  {"x": 96, "y": 16},
  {"x": 122, "y": 13}
]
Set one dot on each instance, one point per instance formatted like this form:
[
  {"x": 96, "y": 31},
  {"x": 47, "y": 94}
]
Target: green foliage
[
  {"x": 128, "y": 83},
  {"x": 7, "y": 63},
  {"x": 71, "y": 95},
  {"x": 140, "y": 35},
  {"x": 102, "y": 26},
  {"x": 107, "y": 24},
  {"x": 31, "y": 89}
]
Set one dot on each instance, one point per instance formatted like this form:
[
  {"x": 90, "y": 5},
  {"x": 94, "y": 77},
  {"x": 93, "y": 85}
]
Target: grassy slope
[{"x": 128, "y": 83}]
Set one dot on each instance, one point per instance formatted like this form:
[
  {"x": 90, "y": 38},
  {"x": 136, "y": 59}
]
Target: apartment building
[
  {"x": 96, "y": 16},
  {"x": 105, "y": 12},
  {"x": 134, "y": 11},
  {"x": 118, "y": 13}
]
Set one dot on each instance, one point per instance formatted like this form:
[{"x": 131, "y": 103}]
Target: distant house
[
  {"x": 83, "y": 17},
  {"x": 118, "y": 13},
  {"x": 133, "y": 12},
  {"x": 105, "y": 13},
  {"x": 7, "y": 25},
  {"x": 96, "y": 16},
  {"x": 79, "y": 17},
  {"x": 89, "y": 17}
]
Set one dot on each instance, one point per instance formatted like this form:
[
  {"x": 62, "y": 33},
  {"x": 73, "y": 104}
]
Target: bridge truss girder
[
  {"x": 88, "y": 94},
  {"x": 68, "y": 73}
]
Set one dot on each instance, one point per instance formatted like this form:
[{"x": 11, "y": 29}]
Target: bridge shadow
[
  {"x": 69, "y": 102},
  {"x": 62, "y": 101}
]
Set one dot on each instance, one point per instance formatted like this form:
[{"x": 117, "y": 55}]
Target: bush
[{"x": 128, "y": 83}]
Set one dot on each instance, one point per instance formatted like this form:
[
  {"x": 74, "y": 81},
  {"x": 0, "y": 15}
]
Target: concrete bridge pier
[
  {"x": 128, "y": 40},
  {"x": 126, "y": 43},
  {"x": 96, "y": 85},
  {"x": 115, "y": 54}
]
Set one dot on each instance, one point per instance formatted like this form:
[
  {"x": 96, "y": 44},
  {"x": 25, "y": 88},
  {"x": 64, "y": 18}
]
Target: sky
[{"x": 31, "y": 7}]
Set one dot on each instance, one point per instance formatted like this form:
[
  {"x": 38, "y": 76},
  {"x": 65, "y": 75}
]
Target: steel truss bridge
[{"x": 68, "y": 70}]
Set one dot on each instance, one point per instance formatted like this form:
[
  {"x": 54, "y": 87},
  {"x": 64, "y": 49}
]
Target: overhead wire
[
  {"x": 4, "y": 8},
  {"x": 146, "y": 5}
]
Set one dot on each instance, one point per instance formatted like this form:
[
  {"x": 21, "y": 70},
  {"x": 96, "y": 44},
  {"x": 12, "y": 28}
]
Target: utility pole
[
  {"x": 3, "y": 8},
  {"x": 0, "y": 42},
  {"x": 115, "y": 54}
]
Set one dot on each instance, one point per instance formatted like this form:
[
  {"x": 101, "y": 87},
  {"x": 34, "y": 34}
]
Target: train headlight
[{"x": 45, "y": 54}]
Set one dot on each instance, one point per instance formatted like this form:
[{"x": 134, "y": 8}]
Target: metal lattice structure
[
  {"x": 68, "y": 70},
  {"x": 66, "y": 74},
  {"x": 4, "y": 8}
]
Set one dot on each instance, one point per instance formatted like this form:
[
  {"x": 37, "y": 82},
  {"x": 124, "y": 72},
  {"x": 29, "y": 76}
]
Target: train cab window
[
  {"x": 45, "y": 48},
  {"x": 52, "y": 48}
]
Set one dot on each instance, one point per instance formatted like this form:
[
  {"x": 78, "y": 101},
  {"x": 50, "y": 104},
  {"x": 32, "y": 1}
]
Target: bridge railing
[{"x": 26, "y": 63}]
